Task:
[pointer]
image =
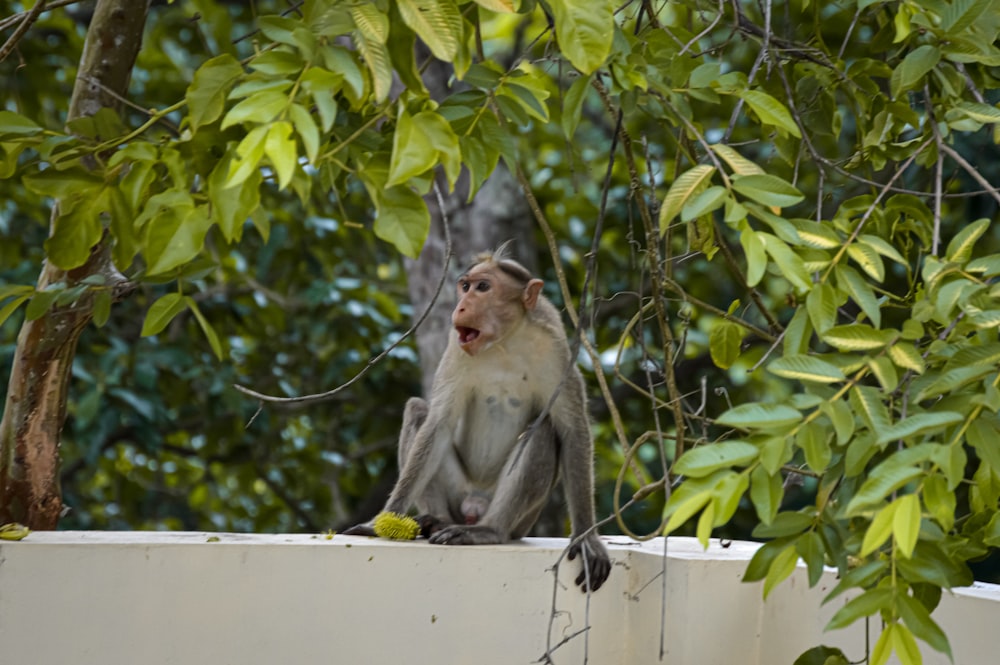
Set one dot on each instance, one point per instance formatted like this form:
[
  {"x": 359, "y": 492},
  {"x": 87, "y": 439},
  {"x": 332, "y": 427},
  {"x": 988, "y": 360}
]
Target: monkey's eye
[
  {"x": 483, "y": 286},
  {"x": 464, "y": 285}
]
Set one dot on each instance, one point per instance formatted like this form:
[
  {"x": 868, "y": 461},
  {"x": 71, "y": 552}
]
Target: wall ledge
[{"x": 192, "y": 597}]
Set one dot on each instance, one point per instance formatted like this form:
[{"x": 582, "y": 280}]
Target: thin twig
[
  {"x": 29, "y": 18},
  {"x": 374, "y": 361}
]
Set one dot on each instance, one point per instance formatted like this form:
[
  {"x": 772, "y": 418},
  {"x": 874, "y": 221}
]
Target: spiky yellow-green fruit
[{"x": 395, "y": 526}]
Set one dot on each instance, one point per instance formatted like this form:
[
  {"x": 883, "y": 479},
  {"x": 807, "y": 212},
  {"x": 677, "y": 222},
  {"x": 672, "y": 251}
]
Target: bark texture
[{"x": 35, "y": 408}]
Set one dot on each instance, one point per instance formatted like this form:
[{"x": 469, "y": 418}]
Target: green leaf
[
  {"x": 248, "y": 155},
  {"x": 822, "y": 306},
  {"x": 724, "y": 342},
  {"x": 813, "y": 439},
  {"x": 789, "y": 263},
  {"x": 685, "y": 508},
  {"x": 984, "y": 113},
  {"x": 810, "y": 549},
  {"x": 905, "y": 355},
  {"x": 60, "y": 184},
  {"x": 321, "y": 86},
  {"x": 739, "y": 164},
  {"x": 102, "y": 308},
  {"x": 883, "y": 370},
  {"x": 868, "y": 603},
  {"x": 573, "y": 105},
  {"x": 906, "y": 524},
  {"x": 983, "y": 437},
  {"x": 880, "y": 529},
  {"x": 842, "y": 417},
  {"x": 961, "y": 246},
  {"x": 755, "y": 253},
  {"x": 918, "y": 620},
  {"x": 854, "y": 337},
  {"x": 959, "y": 15},
  {"x": 822, "y": 655},
  {"x": 437, "y": 22},
  {"x": 17, "y": 125},
  {"x": 279, "y": 146},
  {"x": 867, "y": 401},
  {"x": 939, "y": 500},
  {"x": 278, "y": 28},
  {"x": 704, "y": 460},
  {"x": 883, "y": 646},
  {"x": 261, "y": 107},
  {"x": 231, "y": 207},
  {"x": 920, "y": 423},
  {"x": 12, "y": 306},
  {"x": 412, "y": 151},
  {"x": 860, "y": 291},
  {"x": 764, "y": 557},
  {"x": 306, "y": 128},
  {"x": 868, "y": 260},
  {"x": 376, "y": 57},
  {"x": 206, "y": 327},
  {"x": 687, "y": 185},
  {"x": 766, "y": 493},
  {"x": 767, "y": 189},
  {"x": 770, "y": 111},
  {"x": 704, "y": 529},
  {"x": 402, "y": 220},
  {"x": 883, "y": 481},
  {"x": 758, "y": 415},
  {"x": 707, "y": 201},
  {"x": 905, "y": 646},
  {"x": 917, "y": 64},
  {"x": 162, "y": 312},
  {"x": 75, "y": 231},
  {"x": 175, "y": 237},
  {"x": 783, "y": 566},
  {"x": 806, "y": 368},
  {"x": 585, "y": 30},
  {"x": 206, "y": 96}
]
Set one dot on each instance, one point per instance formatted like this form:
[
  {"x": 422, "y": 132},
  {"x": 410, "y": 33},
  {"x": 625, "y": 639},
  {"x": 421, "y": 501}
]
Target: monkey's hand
[
  {"x": 365, "y": 529},
  {"x": 595, "y": 560}
]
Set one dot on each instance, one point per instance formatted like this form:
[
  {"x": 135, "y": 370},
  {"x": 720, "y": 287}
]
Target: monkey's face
[
  {"x": 490, "y": 304},
  {"x": 476, "y": 317}
]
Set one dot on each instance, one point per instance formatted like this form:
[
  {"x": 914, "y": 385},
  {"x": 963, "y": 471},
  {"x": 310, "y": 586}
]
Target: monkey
[{"x": 476, "y": 460}]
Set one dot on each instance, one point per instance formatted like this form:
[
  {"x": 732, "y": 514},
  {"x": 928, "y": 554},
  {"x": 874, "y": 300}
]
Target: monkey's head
[{"x": 494, "y": 295}]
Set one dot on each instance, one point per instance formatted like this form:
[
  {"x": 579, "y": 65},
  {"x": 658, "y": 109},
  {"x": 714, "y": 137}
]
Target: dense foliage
[{"x": 779, "y": 218}]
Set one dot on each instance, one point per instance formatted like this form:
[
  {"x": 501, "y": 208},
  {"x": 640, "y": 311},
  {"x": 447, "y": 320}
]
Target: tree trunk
[{"x": 36, "y": 395}]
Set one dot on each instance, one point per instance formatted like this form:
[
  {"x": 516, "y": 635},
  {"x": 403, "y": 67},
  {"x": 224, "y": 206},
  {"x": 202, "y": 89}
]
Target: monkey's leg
[
  {"x": 522, "y": 489},
  {"x": 414, "y": 416}
]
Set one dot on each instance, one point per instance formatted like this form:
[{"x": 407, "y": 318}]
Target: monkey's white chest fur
[{"x": 509, "y": 389}]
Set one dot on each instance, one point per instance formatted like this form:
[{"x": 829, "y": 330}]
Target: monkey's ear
[{"x": 531, "y": 292}]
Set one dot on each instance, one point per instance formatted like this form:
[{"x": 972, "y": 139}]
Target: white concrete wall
[{"x": 106, "y": 598}]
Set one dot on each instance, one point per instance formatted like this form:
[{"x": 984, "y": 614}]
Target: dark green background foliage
[{"x": 792, "y": 293}]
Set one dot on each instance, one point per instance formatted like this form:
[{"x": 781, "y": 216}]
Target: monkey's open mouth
[{"x": 466, "y": 335}]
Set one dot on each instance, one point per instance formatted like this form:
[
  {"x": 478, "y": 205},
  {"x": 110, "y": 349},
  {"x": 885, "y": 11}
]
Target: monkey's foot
[
  {"x": 429, "y": 524},
  {"x": 460, "y": 534},
  {"x": 596, "y": 562}
]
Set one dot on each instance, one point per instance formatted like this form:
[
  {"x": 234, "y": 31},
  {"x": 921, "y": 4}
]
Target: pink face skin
[
  {"x": 472, "y": 319},
  {"x": 489, "y": 302}
]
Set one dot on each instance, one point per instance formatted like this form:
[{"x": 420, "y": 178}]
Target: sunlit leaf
[
  {"x": 754, "y": 415},
  {"x": 770, "y": 111},
  {"x": 704, "y": 460},
  {"x": 687, "y": 185},
  {"x": 806, "y": 368},
  {"x": 585, "y": 29}
]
